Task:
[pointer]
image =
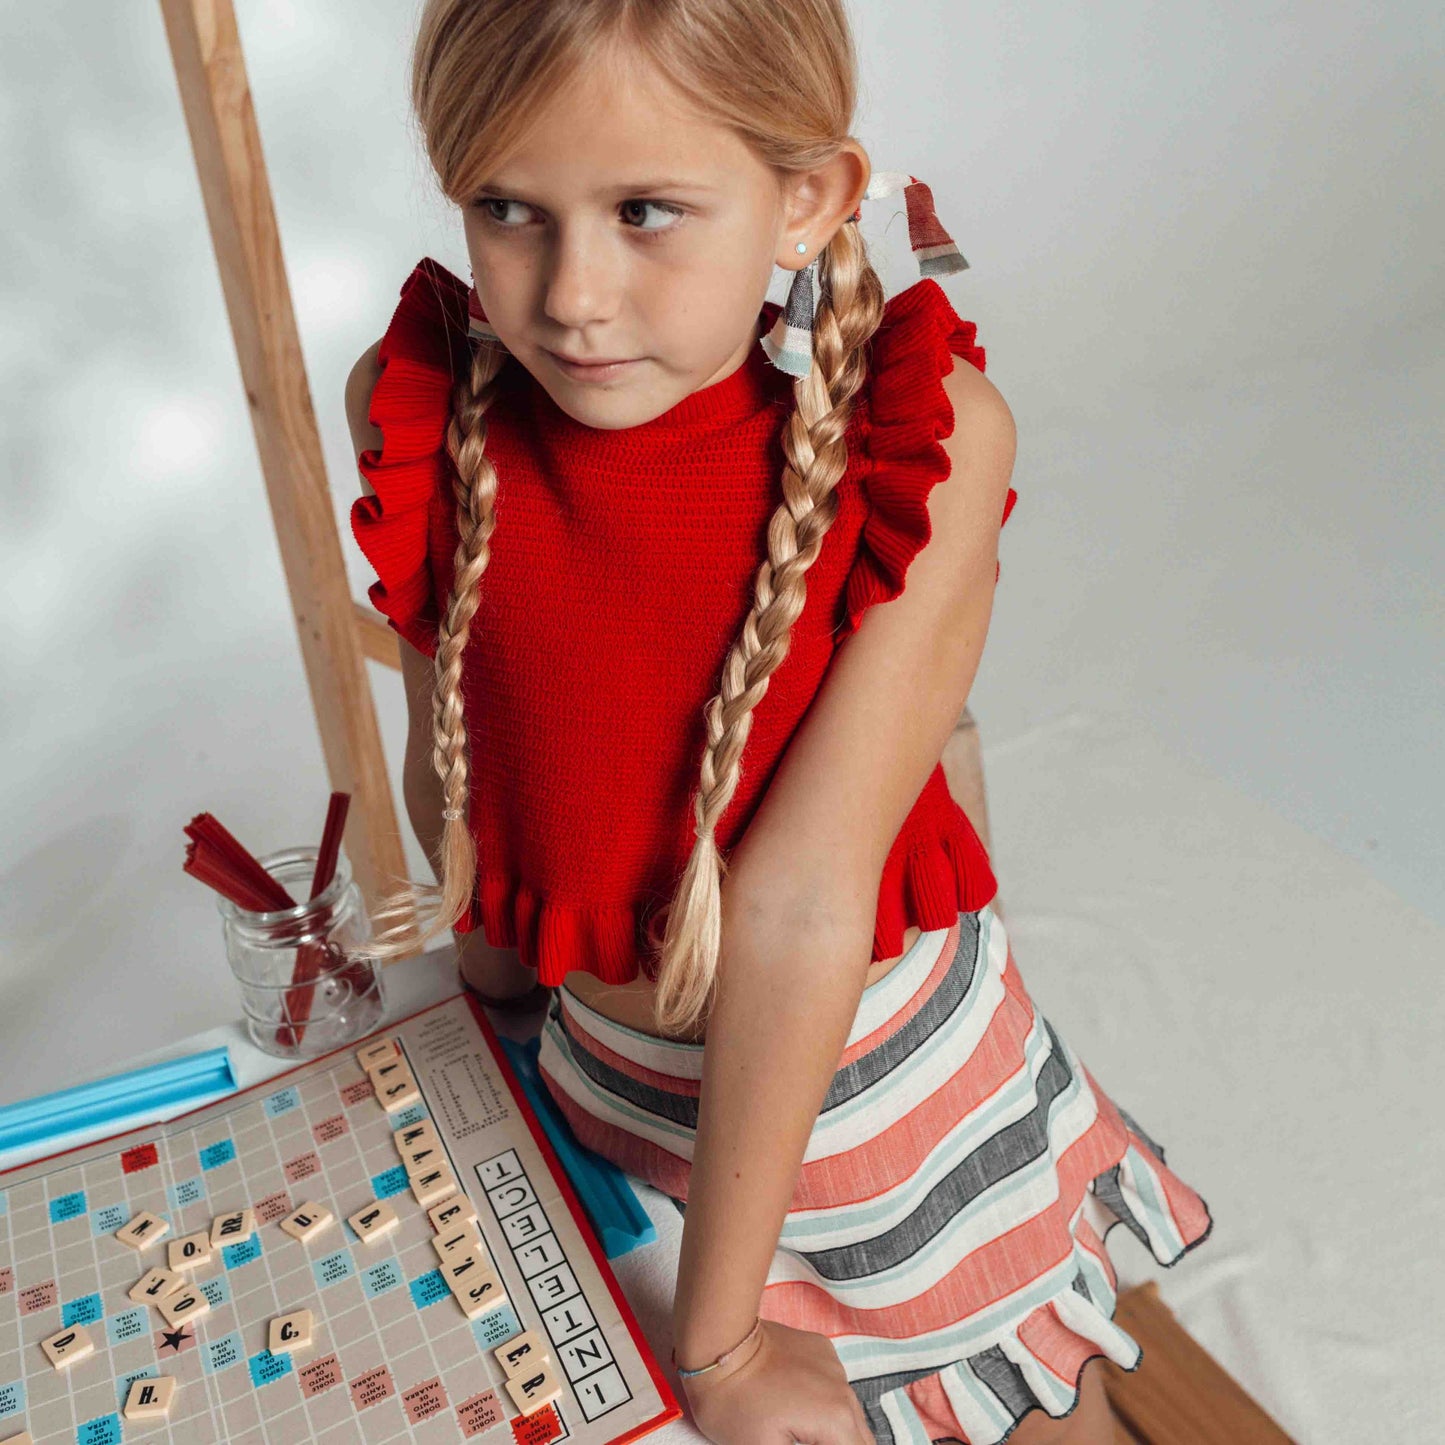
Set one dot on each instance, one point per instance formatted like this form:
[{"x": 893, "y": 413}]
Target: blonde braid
[
  {"x": 475, "y": 488},
  {"x": 849, "y": 308}
]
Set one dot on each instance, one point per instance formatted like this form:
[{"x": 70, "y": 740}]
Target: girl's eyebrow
[{"x": 629, "y": 188}]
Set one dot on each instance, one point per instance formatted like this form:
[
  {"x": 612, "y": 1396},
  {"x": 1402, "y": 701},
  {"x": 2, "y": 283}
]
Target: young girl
[{"x": 644, "y": 531}]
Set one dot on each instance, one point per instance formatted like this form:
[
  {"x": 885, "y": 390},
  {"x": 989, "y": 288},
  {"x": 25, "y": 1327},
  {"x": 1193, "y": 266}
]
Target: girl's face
[{"x": 627, "y": 228}]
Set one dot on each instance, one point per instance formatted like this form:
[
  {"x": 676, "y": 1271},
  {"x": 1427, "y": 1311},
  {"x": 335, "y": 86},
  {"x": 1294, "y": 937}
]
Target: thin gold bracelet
[{"x": 722, "y": 1358}]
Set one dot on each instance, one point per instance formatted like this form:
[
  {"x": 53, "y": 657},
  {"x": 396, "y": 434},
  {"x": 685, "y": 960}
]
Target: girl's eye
[
  {"x": 654, "y": 206},
  {"x": 485, "y": 204}
]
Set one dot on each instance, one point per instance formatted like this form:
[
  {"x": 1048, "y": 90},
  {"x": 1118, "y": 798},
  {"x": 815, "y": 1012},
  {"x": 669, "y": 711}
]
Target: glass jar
[{"x": 303, "y": 991}]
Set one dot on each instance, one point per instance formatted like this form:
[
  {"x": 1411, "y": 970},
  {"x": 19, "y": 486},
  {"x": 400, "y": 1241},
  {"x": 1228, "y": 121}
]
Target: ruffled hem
[
  {"x": 908, "y": 414},
  {"x": 1039, "y": 1364},
  {"x": 420, "y": 357},
  {"x": 927, "y": 884},
  {"x": 555, "y": 938}
]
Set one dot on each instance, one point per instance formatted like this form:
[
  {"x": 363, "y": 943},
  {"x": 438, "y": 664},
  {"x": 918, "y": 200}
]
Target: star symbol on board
[{"x": 174, "y": 1339}]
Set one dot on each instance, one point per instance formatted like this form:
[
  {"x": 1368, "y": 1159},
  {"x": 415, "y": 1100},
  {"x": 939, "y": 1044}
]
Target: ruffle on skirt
[{"x": 947, "y": 1228}]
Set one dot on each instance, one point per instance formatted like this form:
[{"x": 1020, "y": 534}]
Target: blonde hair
[{"x": 782, "y": 75}]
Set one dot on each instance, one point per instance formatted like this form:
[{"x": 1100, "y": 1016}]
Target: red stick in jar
[{"x": 311, "y": 957}]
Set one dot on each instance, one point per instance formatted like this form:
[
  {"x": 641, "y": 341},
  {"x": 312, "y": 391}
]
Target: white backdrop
[{"x": 1205, "y": 251}]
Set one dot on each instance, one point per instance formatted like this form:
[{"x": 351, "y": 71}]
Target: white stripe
[
  {"x": 663, "y": 1056},
  {"x": 904, "y": 1420},
  {"x": 884, "y": 999},
  {"x": 1086, "y": 1319}
]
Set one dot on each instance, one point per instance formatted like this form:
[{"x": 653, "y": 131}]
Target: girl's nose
[{"x": 582, "y": 285}]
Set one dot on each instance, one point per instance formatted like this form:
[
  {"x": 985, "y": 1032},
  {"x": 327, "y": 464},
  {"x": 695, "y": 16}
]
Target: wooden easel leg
[{"x": 216, "y": 98}]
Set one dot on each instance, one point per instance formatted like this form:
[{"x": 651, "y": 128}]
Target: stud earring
[{"x": 801, "y": 247}]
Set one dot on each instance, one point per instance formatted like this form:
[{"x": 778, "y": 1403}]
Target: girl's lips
[{"x": 591, "y": 373}]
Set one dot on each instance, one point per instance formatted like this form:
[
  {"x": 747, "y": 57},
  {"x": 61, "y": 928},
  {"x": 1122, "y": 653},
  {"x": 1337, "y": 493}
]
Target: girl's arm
[{"x": 801, "y": 895}]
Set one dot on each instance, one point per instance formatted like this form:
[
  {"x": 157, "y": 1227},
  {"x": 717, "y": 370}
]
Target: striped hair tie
[{"x": 789, "y": 344}]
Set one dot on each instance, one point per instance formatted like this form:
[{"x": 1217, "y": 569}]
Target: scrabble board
[{"x": 393, "y": 1354}]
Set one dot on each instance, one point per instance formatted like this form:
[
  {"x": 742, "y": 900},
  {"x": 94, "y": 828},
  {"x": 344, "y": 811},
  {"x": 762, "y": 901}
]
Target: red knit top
[{"x": 621, "y": 571}]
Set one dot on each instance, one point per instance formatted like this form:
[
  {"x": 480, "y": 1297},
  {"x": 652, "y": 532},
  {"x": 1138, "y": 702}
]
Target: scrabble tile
[
  {"x": 521, "y": 1352},
  {"x": 191, "y": 1251},
  {"x": 415, "y": 1135},
  {"x": 451, "y": 1212},
  {"x": 377, "y": 1052},
  {"x": 474, "y": 1284},
  {"x": 424, "y": 1158},
  {"x": 386, "y": 1071},
  {"x": 144, "y": 1229},
  {"x": 150, "y": 1398},
  {"x": 463, "y": 1239},
  {"x": 376, "y": 1220},
  {"x": 535, "y": 1387},
  {"x": 154, "y": 1285},
  {"x": 307, "y": 1221},
  {"x": 232, "y": 1228},
  {"x": 398, "y": 1092},
  {"x": 290, "y": 1333},
  {"x": 185, "y": 1304},
  {"x": 433, "y": 1186},
  {"x": 23, "y": 1438},
  {"x": 68, "y": 1347}
]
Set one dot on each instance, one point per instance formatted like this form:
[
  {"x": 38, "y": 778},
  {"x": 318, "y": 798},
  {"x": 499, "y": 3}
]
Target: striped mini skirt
[{"x": 948, "y": 1225}]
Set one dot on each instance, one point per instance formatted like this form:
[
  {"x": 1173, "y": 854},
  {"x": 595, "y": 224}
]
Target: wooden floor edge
[{"x": 1180, "y": 1394}]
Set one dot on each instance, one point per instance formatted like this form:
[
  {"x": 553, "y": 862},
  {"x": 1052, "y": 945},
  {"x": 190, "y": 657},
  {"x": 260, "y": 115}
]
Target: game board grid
[{"x": 264, "y": 1143}]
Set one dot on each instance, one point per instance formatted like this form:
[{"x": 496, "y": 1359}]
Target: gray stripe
[
  {"x": 952, "y": 989},
  {"x": 1005, "y": 1379},
  {"x": 679, "y": 1108},
  {"x": 847, "y": 1083},
  {"x": 878, "y": 1424},
  {"x": 1081, "y": 1286},
  {"x": 1014, "y": 1147},
  {"x": 1106, "y": 1186}
]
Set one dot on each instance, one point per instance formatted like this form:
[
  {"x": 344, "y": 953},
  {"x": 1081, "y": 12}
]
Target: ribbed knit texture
[{"x": 621, "y": 572}]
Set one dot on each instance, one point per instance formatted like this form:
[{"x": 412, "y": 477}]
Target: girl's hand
[{"x": 792, "y": 1387}]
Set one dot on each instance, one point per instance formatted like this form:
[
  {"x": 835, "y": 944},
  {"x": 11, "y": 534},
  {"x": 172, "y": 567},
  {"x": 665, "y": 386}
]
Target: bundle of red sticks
[{"x": 218, "y": 859}]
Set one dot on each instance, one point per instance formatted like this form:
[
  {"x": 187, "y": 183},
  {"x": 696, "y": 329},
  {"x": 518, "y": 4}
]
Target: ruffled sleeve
[
  {"x": 420, "y": 356},
  {"x": 908, "y": 415}
]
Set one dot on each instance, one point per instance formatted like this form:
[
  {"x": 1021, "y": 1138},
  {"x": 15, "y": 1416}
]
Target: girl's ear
[{"x": 821, "y": 200}]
